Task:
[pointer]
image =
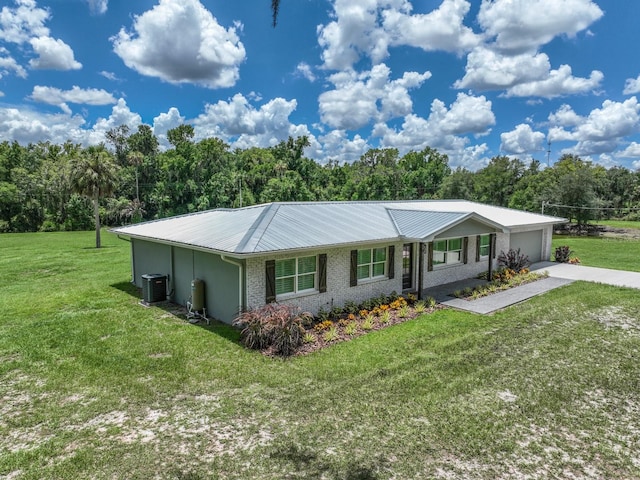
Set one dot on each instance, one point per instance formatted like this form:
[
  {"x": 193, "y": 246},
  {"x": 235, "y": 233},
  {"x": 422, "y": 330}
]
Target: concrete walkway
[{"x": 560, "y": 274}]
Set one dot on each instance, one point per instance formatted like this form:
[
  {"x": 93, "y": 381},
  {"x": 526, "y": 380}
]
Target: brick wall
[
  {"x": 338, "y": 289},
  {"x": 452, "y": 273}
]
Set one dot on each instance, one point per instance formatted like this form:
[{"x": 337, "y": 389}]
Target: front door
[{"x": 407, "y": 266}]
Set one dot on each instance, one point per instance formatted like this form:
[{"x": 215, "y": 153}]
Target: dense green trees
[{"x": 53, "y": 187}]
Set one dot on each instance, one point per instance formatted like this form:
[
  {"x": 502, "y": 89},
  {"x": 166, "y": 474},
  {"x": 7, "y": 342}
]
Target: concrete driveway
[
  {"x": 618, "y": 278},
  {"x": 560, "y": 274}
]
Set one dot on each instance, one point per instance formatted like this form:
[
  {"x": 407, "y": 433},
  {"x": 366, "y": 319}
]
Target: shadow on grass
[
  {"x": 221, "y": 329},
  {"x": 310, "y": 465}
]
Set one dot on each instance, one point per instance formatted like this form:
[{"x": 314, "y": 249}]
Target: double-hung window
[
  {"x": 372, "y": 263},
  {"x": 296, "y": 275},
  {"x": 447, "y": 252},
  {"x": 484, "y": 245}
]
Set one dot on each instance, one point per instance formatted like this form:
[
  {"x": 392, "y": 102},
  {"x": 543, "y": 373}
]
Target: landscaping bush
[
  {"x": 513, "y": 260},
  {"x": 563, "y": 254},
  {"x": 278, "y": 326}
]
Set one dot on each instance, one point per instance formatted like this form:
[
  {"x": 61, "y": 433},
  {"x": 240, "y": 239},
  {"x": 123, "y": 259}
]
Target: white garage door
[{"x": 529, "y": 243}]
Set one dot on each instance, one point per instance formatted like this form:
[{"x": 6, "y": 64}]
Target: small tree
[{"x": 94, "y": 174}]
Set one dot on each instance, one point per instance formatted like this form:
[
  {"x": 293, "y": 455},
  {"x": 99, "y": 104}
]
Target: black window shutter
[
  {"x": 322, "y": 272},
  {"x": 270, "y": 269},
  {"x": 465, "y": 250},
  {"x": 353, "y": 270},
  {"x": 430, "y": 257},
  {"x": 391, "y": 261},
  {"x": 478, "y": 247}
]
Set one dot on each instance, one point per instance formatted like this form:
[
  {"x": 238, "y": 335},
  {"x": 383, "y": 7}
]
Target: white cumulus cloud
[
  {"x": 98, "y": 6},
  {"x": 20, "y": 24},
  {"x": 522, "y": 140},
  {"x": 444, "y": 129},
  {"x": 602, "y": 130},
  {"x": 243, "y": 125},
  {"x": 179, "y": 41},
  {"x": 55, "y": 96},
  {"x": 360, "y": 98},
  {"x": 53, "y": 55},
  {"x": 559, "y": 83},
  {"x": 9, "y": 64},
  {"x": 631, "y": 86},
  {"x": 369, "y": 27},
  {"x": 523, "y": 25},
  {"x": 632, "y": 151},
  {"x": 442, "y": 29}
]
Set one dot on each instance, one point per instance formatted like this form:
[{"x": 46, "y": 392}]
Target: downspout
[{"x": 240, "y": 275}]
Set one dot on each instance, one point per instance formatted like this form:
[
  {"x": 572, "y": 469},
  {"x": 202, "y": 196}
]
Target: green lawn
[
  {"x": 94, "y": 385},
  {"x": 620, "y": 224},
  {"x": 618, "y": 253}
]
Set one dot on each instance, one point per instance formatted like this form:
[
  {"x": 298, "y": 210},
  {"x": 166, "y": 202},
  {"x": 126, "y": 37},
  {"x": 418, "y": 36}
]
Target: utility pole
[
  {"x": 543, "y": 203},
  {"x": 241, "y": 190},
  {"x": 548, "y": 156}
]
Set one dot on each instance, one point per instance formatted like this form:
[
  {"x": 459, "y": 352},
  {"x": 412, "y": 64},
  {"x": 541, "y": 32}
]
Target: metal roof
[{"x": 302, "y": 225}]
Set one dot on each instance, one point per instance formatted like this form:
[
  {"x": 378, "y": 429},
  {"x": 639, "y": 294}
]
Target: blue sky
[{"x": 473, "y": 79}]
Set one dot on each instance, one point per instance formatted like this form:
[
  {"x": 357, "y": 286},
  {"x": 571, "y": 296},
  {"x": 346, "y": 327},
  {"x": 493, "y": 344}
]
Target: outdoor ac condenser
[{"x": 154, "y": 287}]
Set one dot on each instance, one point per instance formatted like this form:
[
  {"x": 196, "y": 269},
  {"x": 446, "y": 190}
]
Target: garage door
[{"x": 529, "y": 243}]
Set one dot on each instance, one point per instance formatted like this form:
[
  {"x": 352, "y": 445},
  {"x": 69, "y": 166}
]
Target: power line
[{"x": 547, "y": 204}]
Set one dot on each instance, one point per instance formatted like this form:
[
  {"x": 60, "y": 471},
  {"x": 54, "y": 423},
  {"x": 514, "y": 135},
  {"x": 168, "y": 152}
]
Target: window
[
  {"x": 371, "y": 263},
  {"x": 447, "y": 252},
  {"x": 296, "y": 275},
  {"x": 483, "y": 245}
]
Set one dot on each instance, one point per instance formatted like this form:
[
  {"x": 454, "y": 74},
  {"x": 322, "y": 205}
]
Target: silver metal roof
[{"x": 302, "y": 225}]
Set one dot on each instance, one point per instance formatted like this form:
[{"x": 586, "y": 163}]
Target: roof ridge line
[
  {"x": 393, "y": 220},
  {"x": 258, "y": 228}
]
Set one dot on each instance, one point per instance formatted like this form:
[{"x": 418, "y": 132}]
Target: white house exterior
[{"x": 322, "y": 254}]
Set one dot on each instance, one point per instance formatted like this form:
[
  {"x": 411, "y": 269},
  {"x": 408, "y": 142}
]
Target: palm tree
[
  {"x": 275, "y": 6},
  {"x": 94, "y": 174}
]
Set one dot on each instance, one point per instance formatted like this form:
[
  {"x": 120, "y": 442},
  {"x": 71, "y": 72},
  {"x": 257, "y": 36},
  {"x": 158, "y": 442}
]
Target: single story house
[{"x": 320, "y": 254}]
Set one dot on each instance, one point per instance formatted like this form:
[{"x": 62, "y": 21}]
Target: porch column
[{"x": 420, "y": 268}]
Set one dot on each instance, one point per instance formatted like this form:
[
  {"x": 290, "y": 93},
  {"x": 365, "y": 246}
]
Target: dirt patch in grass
[{"x": 615, "y": 317}]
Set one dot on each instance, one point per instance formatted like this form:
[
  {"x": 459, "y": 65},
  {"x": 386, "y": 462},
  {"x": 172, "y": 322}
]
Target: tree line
[{"x": 51, "y": 187}]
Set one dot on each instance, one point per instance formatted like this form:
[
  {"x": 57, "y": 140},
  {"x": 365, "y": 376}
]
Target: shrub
[
  {"x": 513, "y": 260},
  {"x": 403, "y": 312},
  {"x": 350, "y": 307},
  {"x": 367, "y": 323},
  {"x": 431, "y": 302},
  {"x": 330, "y": 335},
  {"x": 309, "y": 338},
  {"x": 563, "y": 254},
  {"x": 385, "y": 316},
  {"x": 420, "y": 306},
  {"x": 351, "y": 329},
  {"x": 273, "y": 325},
  {"x": 323, "y": 315},
  {"x": 324, "y": 325}
]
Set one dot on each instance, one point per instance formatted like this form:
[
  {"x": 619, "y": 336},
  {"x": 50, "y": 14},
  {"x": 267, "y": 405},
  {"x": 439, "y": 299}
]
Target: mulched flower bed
[
  {"x": 341, "y": 326},
  {"x": 502, "y": 280}
]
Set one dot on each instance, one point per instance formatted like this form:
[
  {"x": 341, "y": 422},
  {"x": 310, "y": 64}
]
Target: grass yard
[
  {"x": 93, "y": 385},
  {"x": 620, "y": 223},
  {"x": 606, "y": 252}
]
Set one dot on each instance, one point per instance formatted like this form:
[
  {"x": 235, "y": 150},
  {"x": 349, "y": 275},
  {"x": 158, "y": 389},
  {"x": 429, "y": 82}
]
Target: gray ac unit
[{"x": 154, "y": 287}]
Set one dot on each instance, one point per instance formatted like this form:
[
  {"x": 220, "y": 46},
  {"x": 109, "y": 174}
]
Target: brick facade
[{"x": 338, "y": 289}]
